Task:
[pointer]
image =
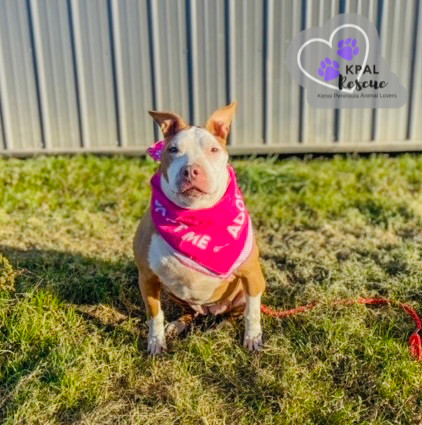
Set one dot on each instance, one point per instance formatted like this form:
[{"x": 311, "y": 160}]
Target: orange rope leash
[{"x": 415, "y": 340}]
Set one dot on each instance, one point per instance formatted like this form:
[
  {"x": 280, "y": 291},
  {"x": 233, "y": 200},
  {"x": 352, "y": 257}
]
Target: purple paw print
[
  {"x": 329, "y": 70},
  {"x": 347, "y": 48}
]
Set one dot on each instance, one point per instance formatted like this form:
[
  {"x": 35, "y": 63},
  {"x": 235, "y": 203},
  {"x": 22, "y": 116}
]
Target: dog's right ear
[
  {"x": 169, "y": 122},
  {"x": 220, "y": 121}
]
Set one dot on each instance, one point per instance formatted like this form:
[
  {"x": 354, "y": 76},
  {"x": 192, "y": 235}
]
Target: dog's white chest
[{"x": 182, "y": 281}]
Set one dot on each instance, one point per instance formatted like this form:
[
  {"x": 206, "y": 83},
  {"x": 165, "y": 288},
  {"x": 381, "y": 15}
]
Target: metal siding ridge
[
  {"x": 391, "y": 124},
  {"x": 193, "y": 64},
  {"x": 170, "y": 56},
  {"x": 356, "y": 124},
  {"x": 249, "y": 79},
  {"x": 283, "y": 96},
  {"x": 55, "y": 69},
  {"x": 230, "y": 46},
  {"x": 94, "y": 68},
  {"x": 416, "y": 100},
  {"x": 318, "y": 125},
  {"x": 20, "y": 112},
  {"x": 133, "y": 73},
  {"x": 3, "y": 144},
  {"x": 155, "y": 53},
  {"x": 209, "y": 67},
  {"x": 268, "y": 69}
]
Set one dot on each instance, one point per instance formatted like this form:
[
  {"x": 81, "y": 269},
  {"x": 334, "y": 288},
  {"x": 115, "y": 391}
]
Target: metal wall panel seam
[
  {"x": 6, "y": 116},
  {"x": 74, "y": 5},
  {"x": 152, "y": 62},
  {"x": 356, "y": 124},
  {"x": 134, "y": 78},
  {"x": 231, "y": 63},
  {"x": 285, "y": 110},
  {"x": 38, "y": 45},
  {"x": 174, "y": 52},
  {"x": 3, "y": 141},
  {"x": 209, "y": 53},
  {"x": 35, "y": 64},
  {"x": 396, "y": 47},
  {"x": 21, "y": 121},
  {"x": 192, "y": 58},
  {"x": 3, "y": 144},
  {"x": 415, "y": 126},
  {"x": 268, "y": 49},
  {"x": 75, "y": 71},
  {"x": 156, "y": 57},
  {"x": 302, "y": 91},
  {"x": 380, "y": 12},
  {"x": 170, "y": 45},
  {"x": 117, "y": 42},
  {"x": 416, "y": 33},
  {"x": 113, "y": 73},
  {"x": 57, "y": 86},
  {"x": 248, "y": 85},
  {"x": 406, "y": 63},
  {"x": 94, "y": 67},
  {"x": 319, "y": 124}
]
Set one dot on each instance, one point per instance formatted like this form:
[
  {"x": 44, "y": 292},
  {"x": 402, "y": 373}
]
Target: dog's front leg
[
  {"x": 254, "y": 285},
  {"x": 150, "y": 289}
]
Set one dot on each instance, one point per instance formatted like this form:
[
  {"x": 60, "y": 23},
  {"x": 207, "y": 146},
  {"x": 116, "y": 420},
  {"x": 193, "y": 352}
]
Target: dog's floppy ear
[
  {"x": 219, "y": 122},
  {"x": 169, "y": 122}
]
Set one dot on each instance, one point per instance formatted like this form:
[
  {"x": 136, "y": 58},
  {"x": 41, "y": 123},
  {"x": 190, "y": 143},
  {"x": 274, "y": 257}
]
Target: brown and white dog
[{"x": 194, "y": 175}]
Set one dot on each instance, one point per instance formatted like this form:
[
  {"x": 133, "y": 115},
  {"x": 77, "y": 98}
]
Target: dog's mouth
[
  {"x": 191, "y": 189},
  {"x": 193, "y": 192}
]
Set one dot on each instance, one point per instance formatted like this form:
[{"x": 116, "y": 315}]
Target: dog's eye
[
  {"x": 173, "y": 149},
  {"x": 214, "y": 150}
]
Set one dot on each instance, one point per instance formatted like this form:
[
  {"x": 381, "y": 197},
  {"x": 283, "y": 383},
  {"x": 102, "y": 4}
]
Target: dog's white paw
[
  {"x": 175, "y": 328},
  {"x": 253, "y": 342},
  {"x": 156, "y": 345}
]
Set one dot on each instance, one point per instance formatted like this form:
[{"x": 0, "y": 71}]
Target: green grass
[{"x": 72, "y": 324}]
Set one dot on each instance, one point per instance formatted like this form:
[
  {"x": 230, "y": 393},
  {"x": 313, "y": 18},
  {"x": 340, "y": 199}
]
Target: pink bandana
[{"x": 214, "y": 240}]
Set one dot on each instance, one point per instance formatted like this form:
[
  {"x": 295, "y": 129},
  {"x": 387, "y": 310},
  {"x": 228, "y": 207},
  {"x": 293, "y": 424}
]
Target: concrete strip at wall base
[{"x": 362, "y": 147}]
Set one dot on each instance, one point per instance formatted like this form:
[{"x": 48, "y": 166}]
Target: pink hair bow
[{"x": 156, "y": 150}]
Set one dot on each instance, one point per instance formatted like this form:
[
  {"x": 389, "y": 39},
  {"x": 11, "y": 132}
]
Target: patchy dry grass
[{"x": 72, "y": 325}]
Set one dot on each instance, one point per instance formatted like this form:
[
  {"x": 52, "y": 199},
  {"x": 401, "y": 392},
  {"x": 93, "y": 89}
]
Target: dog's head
[{"x": 194, "y": 159}]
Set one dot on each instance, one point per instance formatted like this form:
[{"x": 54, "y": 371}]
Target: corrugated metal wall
[{"x": 80, "y": 75}]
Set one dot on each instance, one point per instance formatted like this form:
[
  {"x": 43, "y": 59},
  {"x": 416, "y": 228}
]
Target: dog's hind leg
[{"x": 176, "y": 327}]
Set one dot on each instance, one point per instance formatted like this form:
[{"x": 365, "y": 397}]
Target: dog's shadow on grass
[{"x": 104, "y": 292}]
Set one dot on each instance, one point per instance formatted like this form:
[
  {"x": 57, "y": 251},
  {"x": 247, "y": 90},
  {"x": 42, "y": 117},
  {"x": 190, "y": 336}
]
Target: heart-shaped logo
[
  {"x": 340, "y": 66},
  {"x": 329, "y": 69}
]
